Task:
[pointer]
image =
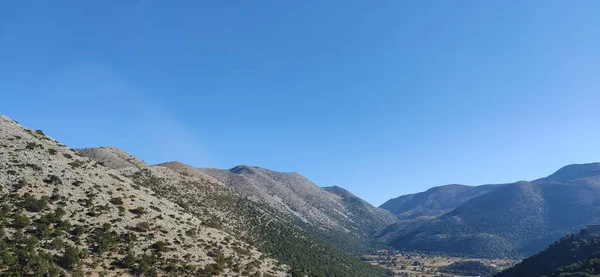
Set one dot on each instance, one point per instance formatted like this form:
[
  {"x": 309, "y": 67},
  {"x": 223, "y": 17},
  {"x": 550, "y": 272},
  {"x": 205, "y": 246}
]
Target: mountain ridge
[
  {"x": 130, "y": 217},
  {"x": 511, "y": 219},
  {"x": 434, "y": 201},
  {"x": 70, "y": 210}
]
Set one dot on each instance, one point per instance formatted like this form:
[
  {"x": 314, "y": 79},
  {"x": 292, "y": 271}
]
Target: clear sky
[{"x": 381, "y": 97}]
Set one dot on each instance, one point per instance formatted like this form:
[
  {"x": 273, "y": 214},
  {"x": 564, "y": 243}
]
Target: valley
[{"x": 413, "y": 264}]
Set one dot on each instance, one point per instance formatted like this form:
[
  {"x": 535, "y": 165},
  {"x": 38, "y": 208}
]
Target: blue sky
[{"x": 381, "y": 97}]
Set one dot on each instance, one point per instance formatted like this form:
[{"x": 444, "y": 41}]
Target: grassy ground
[{"x": 410, "y": 264}]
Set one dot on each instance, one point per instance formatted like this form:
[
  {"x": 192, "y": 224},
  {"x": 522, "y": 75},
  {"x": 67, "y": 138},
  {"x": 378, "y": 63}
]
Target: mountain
[
  {"x": 103, "y": 211},
  {"x": 271, "y": 231},
  {"x": 573, "y": 255},
  {"x": 369, "y": 218},
  {"x": 514, "y": 219},
  {"x": 246, "y": 208},
  {"x": 62, "y": 213},
  {"x": 111, "y": 157},
  {"x": 574, "y": 171},
  {"x": 435, "y": 201},
  {"x": 347, "y": 223}
]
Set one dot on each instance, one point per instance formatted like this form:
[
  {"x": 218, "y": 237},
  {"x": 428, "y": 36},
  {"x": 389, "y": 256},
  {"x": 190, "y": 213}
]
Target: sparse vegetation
[
  {"x": 469, "y": 268},
  {"x": 80, "y": 216},
  {"x": 116, "y": 200},
  {"x": 53, "y": 180},
  {"x": 571, "y": 256},
  {"x": 414, "y": 264},
  {"x": 138, "y": 211},
  {"x": 32, "y": 204}
]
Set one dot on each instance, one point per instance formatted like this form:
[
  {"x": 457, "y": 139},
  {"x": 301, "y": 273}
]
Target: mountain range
[
  {"x": 103, "y": 211},
  {"x": 497, "y": 220}
]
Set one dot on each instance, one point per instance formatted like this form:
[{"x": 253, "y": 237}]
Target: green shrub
[
  {"x": 20, "y": 184},
  {"x": 138, "y": 211},
  {"x": 52, "y": 180},
  {"x": 70, "y": 258},
  {"x": 116, "y": 200},
  {"x": 76, "y": 164},
  {"x": 32, "y": 204},
  {"x": 143, "y": 227},
  {"x": 33, "y": 145},
  {"x": 20, "y": 220}
]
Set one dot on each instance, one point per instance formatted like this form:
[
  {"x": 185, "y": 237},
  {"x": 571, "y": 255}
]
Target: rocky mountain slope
[
  {"x": 62, "y": 212},
  {"x": 256, "y": 223},
  {"x": 370, "y": 219},
  {"x": 514, "y": 219},
  {"x": 341, "y": 221},
  {"x": 272, "y": 229},
  {"x": 111, "y": 157}
]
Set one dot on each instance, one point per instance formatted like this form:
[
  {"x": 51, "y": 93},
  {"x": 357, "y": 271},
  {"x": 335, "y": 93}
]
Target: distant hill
[
  {"x": 574, "y": 171},
  {"x": 514, "y": 219},
  {"x": 571, "y": 256},
  {"x": 435, "y": 201}
]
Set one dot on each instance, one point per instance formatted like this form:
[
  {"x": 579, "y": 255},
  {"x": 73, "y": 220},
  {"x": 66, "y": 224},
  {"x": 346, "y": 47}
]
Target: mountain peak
[
  {"x": 574, "y": 171},
  {"x": 241, "y": 169},
  {"x": 342, "y": 192}
]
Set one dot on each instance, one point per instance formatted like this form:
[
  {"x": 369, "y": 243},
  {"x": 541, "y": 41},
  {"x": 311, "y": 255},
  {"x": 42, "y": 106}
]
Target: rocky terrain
[
  {"x": 62, "y": 212},
  {"x": 344, "y": 221},
  {"x": 102, "y": 211},
  {"x": 282, "y": 214},
  {"x": 112, "y": 157},
  {"x": 279, "y": 233}
]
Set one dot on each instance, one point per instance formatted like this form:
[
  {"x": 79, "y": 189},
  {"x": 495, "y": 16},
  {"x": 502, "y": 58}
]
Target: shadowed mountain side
[
  {"x": 571, "y": 256},
  {"x": 515, "y": 219},
  {"x": 435, "y": 201}
]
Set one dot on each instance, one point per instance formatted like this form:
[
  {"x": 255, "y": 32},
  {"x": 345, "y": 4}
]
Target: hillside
[
  {"x": 573, "y": 256},
  {"x": 341, "y": 221},
  {"x": 112, "y": 157},
  {"x": 433, "y": 202},
  {"x": 370, "y": 219},
  {"x": 515, "y": 219},
  {"x": 62, "y": 212},
  {"x": 280, "y": 235}
]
